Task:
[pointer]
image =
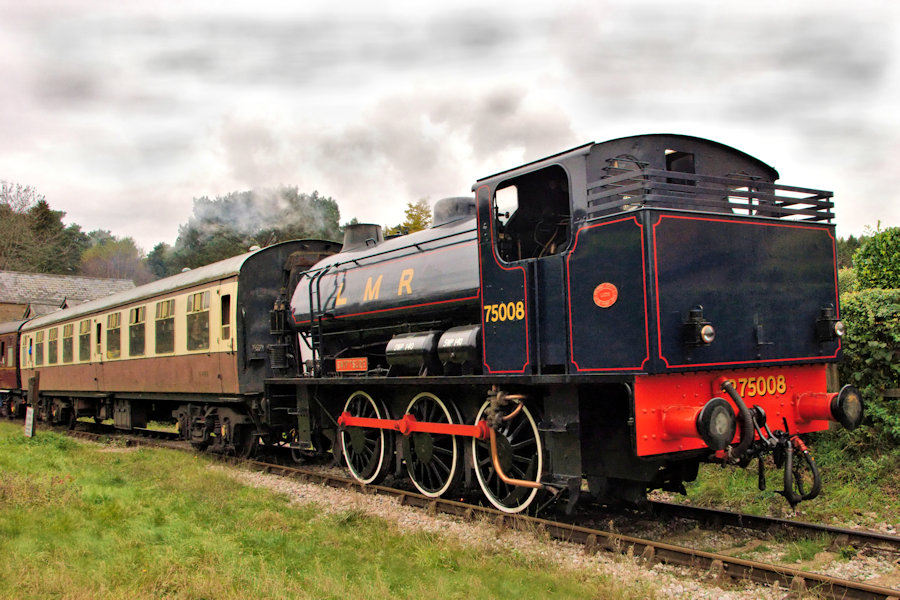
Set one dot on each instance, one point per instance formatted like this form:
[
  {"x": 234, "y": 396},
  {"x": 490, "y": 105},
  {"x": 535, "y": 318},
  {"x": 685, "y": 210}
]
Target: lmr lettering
[{"x": 372, "y": 289}]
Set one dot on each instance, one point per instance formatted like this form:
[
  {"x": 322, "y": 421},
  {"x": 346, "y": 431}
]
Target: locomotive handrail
[
  {"x": 735, "y": 180},
  {"x": 740, "y": 193},
  {"x": 413, "y": 245},
  {"x": 819, "y": 200},
  {"x": 715, "y": 201},
  {"x": 317, "y": 331}
]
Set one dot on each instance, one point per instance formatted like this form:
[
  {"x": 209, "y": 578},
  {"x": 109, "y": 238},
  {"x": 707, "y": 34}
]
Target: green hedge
[
  {"x": 877, "y": 262},
  {"x": 872, "y": 357}
]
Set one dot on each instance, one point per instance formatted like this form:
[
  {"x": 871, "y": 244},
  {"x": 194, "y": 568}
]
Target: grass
[
  {"x": 806, "y": 549},
  {"x": 81, "y": 521}
]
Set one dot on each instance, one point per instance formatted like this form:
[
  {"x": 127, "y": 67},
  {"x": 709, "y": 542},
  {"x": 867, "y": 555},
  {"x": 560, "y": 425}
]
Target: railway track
[
  {"x": 595, "y": 540},
  {"x": 716, "y": 519}
]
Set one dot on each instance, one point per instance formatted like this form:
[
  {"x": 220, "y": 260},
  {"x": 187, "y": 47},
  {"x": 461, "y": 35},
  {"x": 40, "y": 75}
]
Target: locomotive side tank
[{"x": 376, "y": 289}]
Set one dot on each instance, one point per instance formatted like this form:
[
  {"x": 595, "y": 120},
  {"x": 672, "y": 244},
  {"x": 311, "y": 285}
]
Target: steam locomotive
[{"x": 599, "y": 322}]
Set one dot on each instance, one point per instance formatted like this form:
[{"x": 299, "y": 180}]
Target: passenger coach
[
  {"x": 11, "y": 397},
  {"x": 165, "y": 349}
]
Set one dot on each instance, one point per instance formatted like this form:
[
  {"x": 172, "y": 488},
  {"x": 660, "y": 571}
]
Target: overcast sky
[{"x": 121, "y": 113}]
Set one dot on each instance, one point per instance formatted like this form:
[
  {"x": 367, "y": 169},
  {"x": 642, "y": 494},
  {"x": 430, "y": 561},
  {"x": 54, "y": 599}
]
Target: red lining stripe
[
  {"x": 481, "y": 284},
  {"x": 738, "y": 222},
  {"x": 643, "y": 286}
]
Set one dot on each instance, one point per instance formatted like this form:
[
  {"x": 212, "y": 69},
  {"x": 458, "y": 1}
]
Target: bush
[
  {"x": 877, "y": 262},
  {"x": 847, "y": 281},
  {"x": 872, "y": 355}
]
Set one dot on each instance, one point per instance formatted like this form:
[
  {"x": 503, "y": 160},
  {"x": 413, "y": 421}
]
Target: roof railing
[{"x": 637, "y": 187}]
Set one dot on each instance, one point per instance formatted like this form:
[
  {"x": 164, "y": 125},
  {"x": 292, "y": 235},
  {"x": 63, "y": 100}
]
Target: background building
[{"x": 24, "y": 295}]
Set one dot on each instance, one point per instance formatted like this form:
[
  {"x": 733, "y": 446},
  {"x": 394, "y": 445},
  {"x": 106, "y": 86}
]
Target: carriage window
[
  {"x": 198, "y": 321},
  {"x": 3, "y": 358},
  {"x": 84, "y": 340},
  {"x": 39, "y": 348},
  {"x": 532, "y": 214},
  {"x": 165, "y": 326},
  {"x": 137, "y": 328},
  {"x": 114, "y": 335},
  {"x": 68, "y": 331},
  {"x": 53, "y": 346},
  {"x": 226, "y": 317}
]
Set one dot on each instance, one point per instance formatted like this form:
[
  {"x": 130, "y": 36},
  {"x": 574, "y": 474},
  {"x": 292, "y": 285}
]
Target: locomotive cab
[
  {"x": 665, "y": 267},
  {"x": 532, "y": 214}
]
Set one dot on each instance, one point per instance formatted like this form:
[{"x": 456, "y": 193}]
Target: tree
[
  {"x": 114, "y": 258},
  {"x": 16, "y": 237},
  {"x": 418, "y": 217},
  {"x": 229, "y": 225},
  {"x": 159, "y": 259},
  {"x": 33, "y": 237},
  {"x": 846, "y": 248}
]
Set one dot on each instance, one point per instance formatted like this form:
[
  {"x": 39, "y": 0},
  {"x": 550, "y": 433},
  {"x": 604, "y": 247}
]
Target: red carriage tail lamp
[{"x": 845, "y": 407}]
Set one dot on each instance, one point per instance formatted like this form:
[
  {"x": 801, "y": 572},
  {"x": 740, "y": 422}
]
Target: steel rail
[{"x": 720, "y": 518}]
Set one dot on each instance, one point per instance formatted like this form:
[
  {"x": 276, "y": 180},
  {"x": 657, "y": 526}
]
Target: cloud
[
  {"x": 741, "y": 64},
  {"x": 803, "y": 85},
  {"x": 150, "y": 105}
]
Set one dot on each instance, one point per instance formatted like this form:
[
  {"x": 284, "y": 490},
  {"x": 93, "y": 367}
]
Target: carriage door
[{"x": 524, "y": 225}]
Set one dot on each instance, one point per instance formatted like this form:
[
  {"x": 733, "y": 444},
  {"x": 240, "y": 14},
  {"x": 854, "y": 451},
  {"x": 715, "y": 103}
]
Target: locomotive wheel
[
  {"x": 367, "y": 451},
  {"x": 521, "y": 457},
  {"x": 432, "y": 458}
]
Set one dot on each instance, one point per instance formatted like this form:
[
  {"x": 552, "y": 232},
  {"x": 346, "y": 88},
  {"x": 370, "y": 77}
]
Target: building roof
[
  {"x": 188, "y": 278},
  {"x": 52, "y": 290}
]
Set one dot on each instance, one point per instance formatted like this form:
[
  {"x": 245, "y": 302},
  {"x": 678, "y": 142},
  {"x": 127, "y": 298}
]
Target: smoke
[
  {"x": 260, "y": 217},
  {"x": 426, "y": 143}
]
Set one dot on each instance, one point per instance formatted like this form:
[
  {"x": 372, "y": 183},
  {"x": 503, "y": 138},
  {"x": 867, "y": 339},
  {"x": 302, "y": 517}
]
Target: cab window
[{"x": 532, "y": 215}]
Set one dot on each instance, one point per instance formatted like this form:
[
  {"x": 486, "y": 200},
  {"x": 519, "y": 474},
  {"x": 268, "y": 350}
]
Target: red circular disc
[{"x": 605, "y": 295}]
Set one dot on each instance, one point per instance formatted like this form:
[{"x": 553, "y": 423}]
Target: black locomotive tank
[{"x": 376, "y": 289}]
